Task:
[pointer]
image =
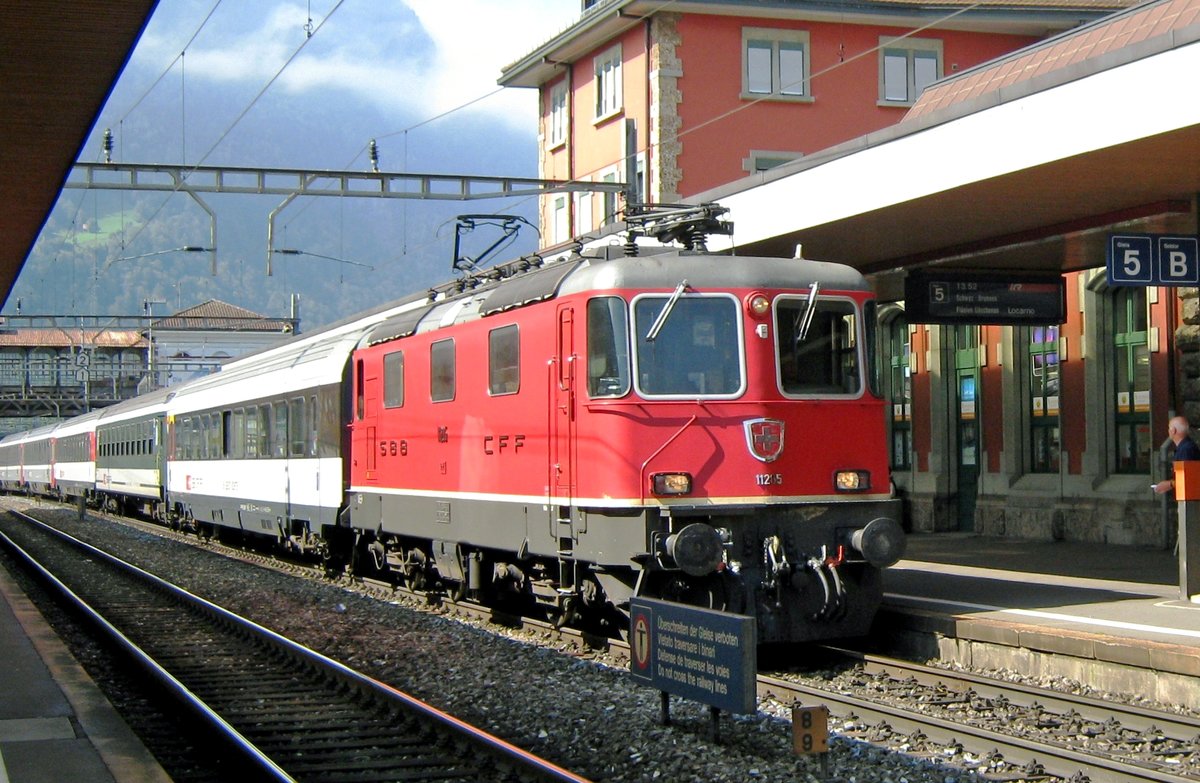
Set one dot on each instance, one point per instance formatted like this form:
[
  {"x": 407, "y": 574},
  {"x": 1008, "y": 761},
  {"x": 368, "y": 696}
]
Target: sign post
[{"x": 699, "y": 654}]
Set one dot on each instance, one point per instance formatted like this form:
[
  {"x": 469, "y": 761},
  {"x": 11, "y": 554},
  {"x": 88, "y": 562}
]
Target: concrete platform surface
[
  {"x": 1112, "y": 616},
  {"x": 55, "y": 724}
]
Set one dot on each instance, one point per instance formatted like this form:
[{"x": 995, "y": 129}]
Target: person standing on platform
[{"x": 1185, "y": 450}]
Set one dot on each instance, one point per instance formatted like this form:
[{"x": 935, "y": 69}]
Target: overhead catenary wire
[{"x": 241, "y": 115}]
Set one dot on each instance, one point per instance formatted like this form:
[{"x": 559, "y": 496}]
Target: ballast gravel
[{"x": 580, "y": 712}]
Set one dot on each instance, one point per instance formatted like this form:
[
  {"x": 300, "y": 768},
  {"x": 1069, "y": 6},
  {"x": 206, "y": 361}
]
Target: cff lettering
[{"x": 498, "y": 444}]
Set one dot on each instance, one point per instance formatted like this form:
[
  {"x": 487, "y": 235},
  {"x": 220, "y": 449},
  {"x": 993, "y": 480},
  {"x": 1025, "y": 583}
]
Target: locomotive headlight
[
  {"x": 672, "y": 483},
  {"x": 758, "y": 304},
  {"x": 852, "y": 480}
]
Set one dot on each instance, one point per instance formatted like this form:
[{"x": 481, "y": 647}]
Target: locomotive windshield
[
  {"x": 818, "y": 347},
  {"x": 693, "y": 349}
]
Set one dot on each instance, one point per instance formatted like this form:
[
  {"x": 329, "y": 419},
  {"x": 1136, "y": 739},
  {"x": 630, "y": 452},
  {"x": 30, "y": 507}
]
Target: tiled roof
[
  {"x": 1051, "y": 58},
  {"x": 65, "y": 338},
  {"x": 215, "y": 315}
]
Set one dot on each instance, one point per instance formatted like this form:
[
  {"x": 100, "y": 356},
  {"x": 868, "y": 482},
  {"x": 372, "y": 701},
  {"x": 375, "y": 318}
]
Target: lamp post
[{"x": 148, "y": 308}]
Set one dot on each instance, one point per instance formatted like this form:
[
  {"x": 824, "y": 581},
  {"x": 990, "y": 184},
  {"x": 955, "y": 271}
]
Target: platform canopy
[{"x": 60, "y": 61}]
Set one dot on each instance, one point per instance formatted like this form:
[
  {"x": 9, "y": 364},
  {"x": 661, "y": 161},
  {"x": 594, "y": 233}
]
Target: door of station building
[{"x": 966, "y": 395}]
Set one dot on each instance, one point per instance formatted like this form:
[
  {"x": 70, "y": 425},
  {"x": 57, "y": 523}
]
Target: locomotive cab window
[
  {"x": 607, "y": 347},
  {"x": 818, "y": 351},
  {"x": 688, "y": 345},
  {"x": 504, "y": 354}
]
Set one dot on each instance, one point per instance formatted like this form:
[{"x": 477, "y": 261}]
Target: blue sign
[
  {"x": 699, "y": 654},
  {"x": 1153, "y": 259}
]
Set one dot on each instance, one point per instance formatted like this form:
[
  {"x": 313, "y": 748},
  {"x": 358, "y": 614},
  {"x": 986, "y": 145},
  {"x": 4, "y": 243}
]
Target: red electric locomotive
[{"x": 679, "y": 425}]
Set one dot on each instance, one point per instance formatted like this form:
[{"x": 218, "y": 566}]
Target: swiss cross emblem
[{"x": 764, "y": 438}]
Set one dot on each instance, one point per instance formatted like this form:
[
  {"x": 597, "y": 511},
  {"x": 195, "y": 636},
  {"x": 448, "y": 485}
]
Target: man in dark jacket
[{"x": 1185, "y": 449}]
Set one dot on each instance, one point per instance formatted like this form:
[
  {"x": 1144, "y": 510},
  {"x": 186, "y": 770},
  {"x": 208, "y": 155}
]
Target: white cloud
[{"x": 436, "y": 57}]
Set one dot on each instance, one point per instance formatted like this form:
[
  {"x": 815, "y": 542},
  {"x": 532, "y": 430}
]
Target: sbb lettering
[
  {"x": 393, "y": 448},
  {"x": 497, "y": 444}
]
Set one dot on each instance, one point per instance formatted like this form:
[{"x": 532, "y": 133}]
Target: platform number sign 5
[{"x": 1153, "y": 259}]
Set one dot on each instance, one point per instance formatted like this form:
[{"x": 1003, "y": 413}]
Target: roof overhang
[
  {"x": 1032, "y": 182},
  {"x": 60, "y": 61}
]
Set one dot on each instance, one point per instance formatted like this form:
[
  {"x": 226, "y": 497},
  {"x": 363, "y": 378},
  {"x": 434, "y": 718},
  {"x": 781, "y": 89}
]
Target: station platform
[
  {"x": 55, "y": 724},
  {"x": 1109, "y": 616}
]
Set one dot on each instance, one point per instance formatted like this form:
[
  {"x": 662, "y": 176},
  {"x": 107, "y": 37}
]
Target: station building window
[
  {"x": 906, "y": 67},
  {"x": 1131, "y": 376},
  {"x": 558, "y": 115},
  {"x": 610, "y": 200},
  {"x": 1044, "y": 435},
  {"x": 561, "y": 224},
  {"x": 775, "y": 63},
  {"x": 898, "y": 377},
  {"x": 583, "y": 212},
  {"x": 609, "y": 99}
]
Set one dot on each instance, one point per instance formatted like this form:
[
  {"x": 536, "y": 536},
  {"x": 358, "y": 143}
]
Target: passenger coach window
[
  {"x": 688, "y": 346},
  {"x": 250, "y": 423},
  {"x": 393, "y": 379},
  {"x": 607, "y": 347},
  {"x": 441, "y": 369},
  {"x": 818, "y": 352},
  {"x": 264, "y": 431},
  {"x": 299, "y": 427},
  {"x": 279, "y": 430},
  {"x": 237, "y": 434},
  {"x": 504, "y": 355}
]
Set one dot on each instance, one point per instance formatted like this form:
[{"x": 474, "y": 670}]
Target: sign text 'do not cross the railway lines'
[{"x": 699, "y": 654}]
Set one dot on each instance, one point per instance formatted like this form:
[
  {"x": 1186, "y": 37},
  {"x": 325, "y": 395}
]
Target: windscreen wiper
[
  {"x": 657, "y": 326},
  {"x": 809, "y": 312}
]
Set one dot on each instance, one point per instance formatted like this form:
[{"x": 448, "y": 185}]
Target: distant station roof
[
  {"x": 66, "y": 338},
  {"x": 215, "y": 315},
  {"x": 1026, "y": 162},
  {"x": 60, "y": 61}
]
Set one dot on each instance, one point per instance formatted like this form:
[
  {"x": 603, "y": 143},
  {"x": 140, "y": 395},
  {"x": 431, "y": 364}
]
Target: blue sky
[
  {"x": 402, "y": 62},
  {"x": 238, "y": 83}
]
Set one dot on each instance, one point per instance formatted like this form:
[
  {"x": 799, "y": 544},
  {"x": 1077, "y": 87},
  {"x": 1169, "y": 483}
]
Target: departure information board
[{"x": 970, "y": 298}]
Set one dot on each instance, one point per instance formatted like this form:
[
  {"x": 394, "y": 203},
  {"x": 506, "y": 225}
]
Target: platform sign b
[{"x": 1178, "y": 260}]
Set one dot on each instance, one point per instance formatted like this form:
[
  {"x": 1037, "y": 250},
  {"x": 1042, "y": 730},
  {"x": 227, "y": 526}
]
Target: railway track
[
  {"x": 1013, "y": 731},
  {"x": 285, "y": 712},
  {"x": 1039, "y": 731}
]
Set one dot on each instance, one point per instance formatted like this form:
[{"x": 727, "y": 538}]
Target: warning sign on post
[{"x": 699, "y": 654}]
